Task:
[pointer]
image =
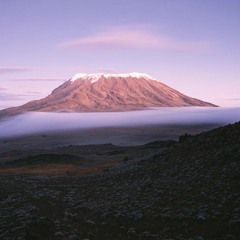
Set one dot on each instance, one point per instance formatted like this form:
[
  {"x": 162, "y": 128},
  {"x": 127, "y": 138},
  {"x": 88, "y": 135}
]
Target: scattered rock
[
  {"x": 59, "y": 234},
  {"x": 74, "y": 237},
  {"x": 131, "y": 232},
  {"x": 90, "y": 222}
]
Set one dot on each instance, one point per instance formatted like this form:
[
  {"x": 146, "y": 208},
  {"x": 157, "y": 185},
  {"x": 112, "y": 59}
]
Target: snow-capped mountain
[{"x": 108, "y": 92}]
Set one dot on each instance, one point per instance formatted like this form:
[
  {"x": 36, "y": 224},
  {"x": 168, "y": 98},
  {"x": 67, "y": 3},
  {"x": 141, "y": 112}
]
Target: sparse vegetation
[{"x": 184, "y": 137}]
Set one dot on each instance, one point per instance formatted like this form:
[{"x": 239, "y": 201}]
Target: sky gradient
[{"x": 192, "y": 46}]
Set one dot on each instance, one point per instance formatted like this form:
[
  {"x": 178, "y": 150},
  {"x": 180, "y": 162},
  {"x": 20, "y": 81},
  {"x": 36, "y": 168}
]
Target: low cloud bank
[{"x": 37, "y": 122}]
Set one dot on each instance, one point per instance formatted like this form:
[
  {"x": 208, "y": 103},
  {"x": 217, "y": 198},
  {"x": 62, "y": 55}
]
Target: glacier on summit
[{"x": 94, "y": 77}]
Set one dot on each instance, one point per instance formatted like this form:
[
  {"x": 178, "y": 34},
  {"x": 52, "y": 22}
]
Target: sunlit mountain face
[{"x": 108, "y": 92}]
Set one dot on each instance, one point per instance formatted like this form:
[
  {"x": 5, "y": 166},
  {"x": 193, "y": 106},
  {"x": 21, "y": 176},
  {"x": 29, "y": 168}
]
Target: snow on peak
[
  {"x": 96, "y": 76},
  {"x": 85, "y": 76}
]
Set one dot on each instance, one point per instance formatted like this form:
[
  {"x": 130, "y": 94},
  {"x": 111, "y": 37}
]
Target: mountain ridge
[{"x": 108, "y": 92}]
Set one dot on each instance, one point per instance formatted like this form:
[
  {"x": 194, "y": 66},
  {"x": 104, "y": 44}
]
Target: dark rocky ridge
[
  {"x": 189, "y": 191},
  {"x": 108, "y": 93}
]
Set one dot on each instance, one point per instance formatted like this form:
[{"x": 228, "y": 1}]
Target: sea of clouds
[{"x": 37, "y": 122}]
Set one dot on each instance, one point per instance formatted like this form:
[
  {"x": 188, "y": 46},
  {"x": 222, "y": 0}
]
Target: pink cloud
[
  {"x": 134, "y": 37},
  {"x": 4, "y": 70},
  {"x": 38, "y": 79},
  {"x": 3, "y": 89}
]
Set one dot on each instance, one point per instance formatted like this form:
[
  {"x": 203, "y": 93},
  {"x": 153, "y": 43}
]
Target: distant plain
[{"x": 35, "y": 133}]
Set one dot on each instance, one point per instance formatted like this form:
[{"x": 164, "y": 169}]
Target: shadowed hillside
[{"x": 191, "y": 190}]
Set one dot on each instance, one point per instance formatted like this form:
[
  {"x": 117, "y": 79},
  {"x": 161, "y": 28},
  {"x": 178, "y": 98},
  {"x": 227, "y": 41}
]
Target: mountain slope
[{"x": 108, "y": 92}]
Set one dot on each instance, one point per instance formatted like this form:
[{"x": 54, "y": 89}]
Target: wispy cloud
[
  {"x": 4, "y": 70},
  {"x": 33, "y": 93},
  {"x": 233, "y": 99},
  {"x": 7, "y": 95},
  {"x": 38, "y": 79},
  {"x": 3, "y": 89},
  {"x": 143, "y": 37},
  {"x": 11, "y": 97}
]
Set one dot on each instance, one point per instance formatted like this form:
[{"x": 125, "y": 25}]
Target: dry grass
[{"x": 56, "y": 169}]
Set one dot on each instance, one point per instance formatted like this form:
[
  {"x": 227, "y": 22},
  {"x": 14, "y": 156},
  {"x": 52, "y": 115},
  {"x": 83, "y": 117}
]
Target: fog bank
[{"x": 37, "y": 122}]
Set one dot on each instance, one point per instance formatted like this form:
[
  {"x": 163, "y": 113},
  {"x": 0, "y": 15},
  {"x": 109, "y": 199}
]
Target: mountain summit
[{"x": 108, "y": 92}]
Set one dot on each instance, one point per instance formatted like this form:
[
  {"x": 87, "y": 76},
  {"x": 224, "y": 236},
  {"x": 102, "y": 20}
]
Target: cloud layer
[
  {"x": 37, "y": 122},
  {"x": 133, "y": 37}
]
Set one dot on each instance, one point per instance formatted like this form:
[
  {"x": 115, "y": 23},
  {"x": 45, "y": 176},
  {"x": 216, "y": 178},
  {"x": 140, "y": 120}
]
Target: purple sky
[{"x": 190, "y": 45}]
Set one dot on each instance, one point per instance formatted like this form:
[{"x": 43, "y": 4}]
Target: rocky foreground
[{"x": 189, "y": 191}]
